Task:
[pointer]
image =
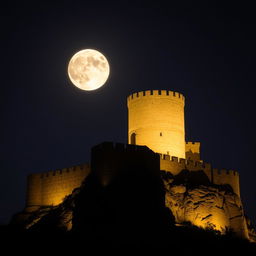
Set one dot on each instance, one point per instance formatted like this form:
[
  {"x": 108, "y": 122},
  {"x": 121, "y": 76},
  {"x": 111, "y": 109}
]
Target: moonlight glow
[{"x": 88, "y": 69}]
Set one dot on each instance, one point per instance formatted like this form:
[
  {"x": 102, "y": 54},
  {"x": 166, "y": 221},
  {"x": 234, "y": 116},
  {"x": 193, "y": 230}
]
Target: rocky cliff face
[{"x": 192, "y": 199}]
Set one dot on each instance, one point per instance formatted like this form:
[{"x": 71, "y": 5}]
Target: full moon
[{"x": 88, "y": 69}]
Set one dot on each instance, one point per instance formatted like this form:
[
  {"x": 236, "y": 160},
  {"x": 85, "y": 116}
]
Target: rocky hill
[{"x": 141, "y": 210}]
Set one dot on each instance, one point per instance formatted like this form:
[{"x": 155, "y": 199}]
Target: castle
[{"x": 155, "y": 120}]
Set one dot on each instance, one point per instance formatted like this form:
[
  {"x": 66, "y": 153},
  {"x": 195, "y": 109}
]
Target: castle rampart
[
  {"x": 50, "y": 188},
  {"x": 222, "y": 177},
  {"x": 156, "y": 119},
  {"x": 156, "y": 93},
  {"x": 215, "y": 176},
  {"x": 192, "y": 150}
]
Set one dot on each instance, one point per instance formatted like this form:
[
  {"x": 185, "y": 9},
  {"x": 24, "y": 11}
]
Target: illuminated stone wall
[
  {"x": 215, "y": 176},
  {"x": 192, "y": 150},
  {"x": 175, "y": 165},
  {"x": 33, "y": 197},
  {"x": 50, "y": 188},
  {"x": 156, "y": 119},
  {"x": 231, "y": 177}
]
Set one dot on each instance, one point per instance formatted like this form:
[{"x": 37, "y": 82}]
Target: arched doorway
[{"x": 133, "y": 138}]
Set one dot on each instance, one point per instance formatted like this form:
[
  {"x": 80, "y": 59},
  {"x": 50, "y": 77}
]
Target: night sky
[{"x": 205, "y": 52}]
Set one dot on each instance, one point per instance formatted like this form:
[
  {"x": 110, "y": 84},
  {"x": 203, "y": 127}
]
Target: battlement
[
  {"x": 156, "y": 93},
  {"x": 185, "y": 162},
  {"x": 50, "y": 188},
  {"x": 192, "y": 143},
  {"x": 199, "y": 164},
  {"x": 216, "y": 176},
  {"x": 192, "y": 150},
  {"x": 225, "y": 172},
  {"x": 64, "y": 171}
]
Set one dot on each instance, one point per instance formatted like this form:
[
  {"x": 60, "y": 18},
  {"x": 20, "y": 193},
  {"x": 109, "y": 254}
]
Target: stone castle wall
[
  {"x": 192, "y": 150},
  {"x": 156, "y": 120},
  {"x": 223, "y": 176},
  {"x": 215, "y": 176},
  {"x": 50, "y": 188}
]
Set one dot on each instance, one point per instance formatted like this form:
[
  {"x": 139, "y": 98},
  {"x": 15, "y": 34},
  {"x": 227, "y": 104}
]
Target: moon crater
[{"x": 88, "y": 69}]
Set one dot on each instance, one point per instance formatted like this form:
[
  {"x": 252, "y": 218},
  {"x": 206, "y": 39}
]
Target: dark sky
[{"x": 205, "y": 52}]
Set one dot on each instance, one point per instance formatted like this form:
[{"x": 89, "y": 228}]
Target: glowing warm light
[
  {"x": 88, "y": 69},
  {"x": 156, "y": 119},
  {"x": 217, "y": 221}
]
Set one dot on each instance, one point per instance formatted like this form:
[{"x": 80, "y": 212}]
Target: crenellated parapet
[
  {"x": 156, "y": 93},
  {"x": 64, "y": 171},
  {"x": 192, "y": 150},
  {"x": 51, "y": 187},
  {"x": 223, "y": 176},
  {"x": 108, "y": 159},
  {"x": 216, "y": 176}
]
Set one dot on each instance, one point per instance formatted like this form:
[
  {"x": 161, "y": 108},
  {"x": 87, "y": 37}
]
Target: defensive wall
[
  {"x": 156, "y": 119},
  {"x": 192, "y": 150},
  {"x": 109, "y": 157},
  {"x": 216, "y": 176},
  {"x": 50, "y": 188}
]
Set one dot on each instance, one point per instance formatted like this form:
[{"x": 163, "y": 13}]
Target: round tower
[{"x": 156, "y": 119}]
